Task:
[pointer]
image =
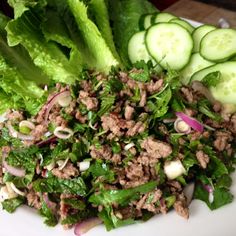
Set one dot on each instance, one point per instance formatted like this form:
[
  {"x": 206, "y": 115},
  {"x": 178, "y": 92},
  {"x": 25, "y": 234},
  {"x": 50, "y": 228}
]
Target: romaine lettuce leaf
[
  {"x": 98, "y": 9},
  {"x": 25, "y": 30},
  {"x": 92, "y": 37}
]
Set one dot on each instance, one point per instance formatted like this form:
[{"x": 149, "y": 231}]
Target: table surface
[{"x": 202, "y": 12}]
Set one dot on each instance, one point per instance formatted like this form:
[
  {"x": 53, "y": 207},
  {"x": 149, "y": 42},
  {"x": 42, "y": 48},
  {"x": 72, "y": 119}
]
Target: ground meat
[
  {"x": 126, "y": 91},
  {"x": 125, "y": 213},
  {"x": 143, "y": 99},
  {"x": 222, "y": 141},
  {"x": 39, "y": 131},
  {"x": 187, "y": 94},
  {"x": 33, "y": 199},
  {"x": 163, "y": 129},
  {"x": 134, "y": 171},
  {"x": 153, "y": 87},
  {"x": 86, "y": 85},
  {"x": 103, "y": 152},
  {"x": 15, "y": 116},
  {"x": 181, "y": 206},
  {"x": 233, "y": 124},
  {"x": 146, "y": 159},
  {"x": 116, "y": 159},
  {"x": 67, "y": 172},
  {"x": 113, "y": 123},
  {"x": 174, "y": 185},
  {"x": 202, "y": 158},
  {"x": 149, "y": 200},
  {"x": 90, "y": 102},
  {"x": 129, "y": 112},
  {"x": 60, "y": 121},
  {"x": 82, "y": 119},
  {"x": 1, "y": 175},
  {"x": 137, "y": 128},
  {"x": 71, "y": 109},
  {"x": 217, "y": 106},
  {"x": 156, "y": 148},
  {"x": 195, "y": 135}
]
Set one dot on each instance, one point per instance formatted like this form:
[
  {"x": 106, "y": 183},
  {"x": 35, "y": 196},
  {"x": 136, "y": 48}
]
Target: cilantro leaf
[
  {"x": 212, "y": 79},
  {"x": 158, "y": 103},
  {"x": 141, "y": 73},
  {"x": 107, "y": 102}
]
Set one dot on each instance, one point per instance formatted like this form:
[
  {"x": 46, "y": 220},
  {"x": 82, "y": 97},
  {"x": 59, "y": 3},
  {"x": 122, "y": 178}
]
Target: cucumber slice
[
  {"x": 184, "y": 24},
  {"x": 145, "y": 21},
  {"x": 137, "y": 50},
  {"x": 163, "y": 17},
  {"x": 199, "y": 33},
  {"x": 219, "y": 45},
  {"x": 196, "y": 63},
  {"x": 169, "y": 44},
  {"x": 225, "y": 91}
]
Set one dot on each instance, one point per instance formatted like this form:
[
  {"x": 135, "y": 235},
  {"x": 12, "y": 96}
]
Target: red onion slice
[
  {"x": 52, "y": 139},
  {"x": 86, "y": 225},
  {"x": 10, "y": 169},
  {"x": 208, "y": 188},
  {"x": 54, "y": 100},
  {"x": 193, "y": 123}
]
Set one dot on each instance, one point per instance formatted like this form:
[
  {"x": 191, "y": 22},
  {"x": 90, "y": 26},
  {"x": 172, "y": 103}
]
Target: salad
[{"x": 114, "y": 112}]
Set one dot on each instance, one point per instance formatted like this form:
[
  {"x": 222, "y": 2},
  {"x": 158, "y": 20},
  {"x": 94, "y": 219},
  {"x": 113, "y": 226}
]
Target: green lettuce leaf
[
  {"x": 92, "y": 37},
  {"x": 99, "y": 10},
  {"x": 25, "y": 30}
]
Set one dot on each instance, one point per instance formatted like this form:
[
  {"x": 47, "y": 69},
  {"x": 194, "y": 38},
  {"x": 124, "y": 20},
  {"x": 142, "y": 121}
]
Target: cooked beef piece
[
  {"x": 156, "y": 148},
  {"x": 202, "y": 158},
  {"x": 33, "y": 199},
  {"x": 154, "y": 87},
  {"x": 67, "y": 172},
  {"x": 90, "y": 102},
  {"x": 129, "y": 111},
  {"x": 222, "y": 141},
  {"x": 104, "y": 152}
]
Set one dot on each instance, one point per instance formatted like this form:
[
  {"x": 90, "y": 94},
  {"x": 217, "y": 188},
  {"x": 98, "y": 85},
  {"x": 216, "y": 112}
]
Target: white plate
[{"x": 202, "y": 222}]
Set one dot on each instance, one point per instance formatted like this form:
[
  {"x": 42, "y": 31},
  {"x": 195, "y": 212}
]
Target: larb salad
[{"x": 114, "y": 112}]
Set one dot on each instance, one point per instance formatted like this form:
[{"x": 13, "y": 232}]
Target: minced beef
[
  {"x": 156, "y": 148},
  {"x": 202, "y": 158},
  {"x": 67, "y": 172}
]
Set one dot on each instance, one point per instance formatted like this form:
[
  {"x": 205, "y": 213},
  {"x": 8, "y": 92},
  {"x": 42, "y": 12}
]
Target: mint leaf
[
  {"x": 47, "y": 213},
  {"x": 11, "y": 205},
  {"x": 124, "y": 196},
  {"x": 56, "y": 185}
]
